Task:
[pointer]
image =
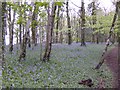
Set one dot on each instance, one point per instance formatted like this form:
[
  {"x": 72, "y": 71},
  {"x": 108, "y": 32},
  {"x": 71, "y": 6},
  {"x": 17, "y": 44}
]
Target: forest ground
[
  {"x": 111, "y": 60},
  {"x": 68, "y": 65}
]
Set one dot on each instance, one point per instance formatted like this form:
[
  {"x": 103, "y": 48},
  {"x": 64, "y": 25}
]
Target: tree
[
  {"x": 3, "y": 31},
  {"x": 119, "y": 41},
  {"x": 83, "y": 24},
  {"x": 50, "y": 25},
  {"x": 20, "y": 23},
  {"x": 11, "y": 27},
  {"x": 1, "y": 34},
  {"x": 108, "y": 39},
  {"x": 34, "y": 24},
  {"x": 119, "y": 23},
  {"x": 61, "y": 27},
  {"x": 93, "y": 20},
  {"x": 57, "y": 25},
  {"x": 69, "y": 26}
]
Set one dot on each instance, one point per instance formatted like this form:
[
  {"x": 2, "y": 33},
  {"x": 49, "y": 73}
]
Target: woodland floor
[
  {"x": 111, "y": 60},
  {"x": 68, "y": 65}
]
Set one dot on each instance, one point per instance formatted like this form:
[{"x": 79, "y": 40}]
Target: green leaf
[{"x": 59, "y": 3}]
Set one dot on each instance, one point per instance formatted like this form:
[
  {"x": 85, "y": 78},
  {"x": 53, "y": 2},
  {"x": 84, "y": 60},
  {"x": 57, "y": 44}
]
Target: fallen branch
[{"x": 108, "y": 40}]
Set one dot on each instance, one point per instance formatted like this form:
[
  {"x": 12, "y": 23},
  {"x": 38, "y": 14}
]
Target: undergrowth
[{"x": 67, "y": 66}]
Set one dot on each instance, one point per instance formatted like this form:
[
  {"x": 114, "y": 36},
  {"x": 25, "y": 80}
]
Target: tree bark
[
  {"x": 57, "y": 25},
  {"x": 61, "y": 26},
  {"x": 25, "y": 39},
  {"x": 3, "y": 32},
  {"x": 11, "y": 27},
  {"x": 50, "y": 26},
  {"x": 34, "y": 25},
  {"x": 93, "y": 20},
  {"x": 118, "y": 36},
  {"x": 69, "y": 26},
  {"x": 83, "y": 24}
]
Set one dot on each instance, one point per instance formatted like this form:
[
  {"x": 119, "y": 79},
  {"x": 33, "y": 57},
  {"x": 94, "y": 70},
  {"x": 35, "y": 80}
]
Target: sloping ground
[
  {"x": 111, "y": 59},
  {"x": 68, "y": 65}
]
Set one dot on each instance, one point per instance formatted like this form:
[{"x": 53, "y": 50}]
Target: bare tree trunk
[
  {"x": 61, "y": 26},
  {"x": 50, "y": 26},
  {"x": 25, "y": 39},
  {"x": 58, "y": 18},
  {"x": 3, "y": 31},
  {"x": 97, "y": 37},
  {"x": 108, "y": 39},
  {"x": 69, "y": 26},
  {"x": 83, "y": 24},
  {"x": 47, "y": 36},
  {"x": 20, "y": 26},
  {"x": 118, "y": 33},
  {"x": 1, "y": 34},
  {"x": 34, "y": 24},
  {"x": 51, "y": 29},
  {"x": 11, "y": 27},
  {"x": 93, "y": 20}
]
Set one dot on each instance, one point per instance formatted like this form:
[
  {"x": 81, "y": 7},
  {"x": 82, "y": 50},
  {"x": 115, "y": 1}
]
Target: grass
[{"x": 68, "y": 65}]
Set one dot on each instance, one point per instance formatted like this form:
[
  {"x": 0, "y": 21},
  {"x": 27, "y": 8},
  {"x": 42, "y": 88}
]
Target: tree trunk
[
  {"x": 20, "y": 26},
  {"x": 94, "y": 20},
  {"x": 50, "y": 26},
  {"x": 97, "y": 38},
  {"x": 3, "y": 31},
  {"x": 34, "y": 25},
  {"x": 58, "y": 18},
  {"x": 68, "y": 23},
  {"x": 83, "y": 24},
  {"x": 61, "y": 26},
  {"x": 25, "y": 39},
  {"x": 108, "y": 39},
  {"x": 118, "y": 36},
  {"x": 1, "y": 34},
  {"x": 11, "y": 27}
]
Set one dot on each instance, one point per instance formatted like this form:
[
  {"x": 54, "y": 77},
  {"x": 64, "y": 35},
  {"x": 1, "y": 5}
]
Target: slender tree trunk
[
  {"x": 108, "y": 39},
  {"x": 29, "y": 44},
  {"x": 47, "y": 36},
  {"x": 57, "y": 25},
  {"x": 11, "y": 27},
  {"x": 69, "y": 26},
  {"x": 118, "y": 4},
  {"x": 83, "y": 24},
  {"x": 3, "y": 31},
  {"x": 25, "y": 39},
  {"x": 34, "y": 25},
  {"x": 94, "y": 20},
  {"x": 50, "y": 26},
  {"x": 97, "y": 38},
  {"x": 61, "y": 26},
  {"x": 77, "y": 32},
  {"x": 20, "y": 34},
  {"x": 1, "y": 34}
]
